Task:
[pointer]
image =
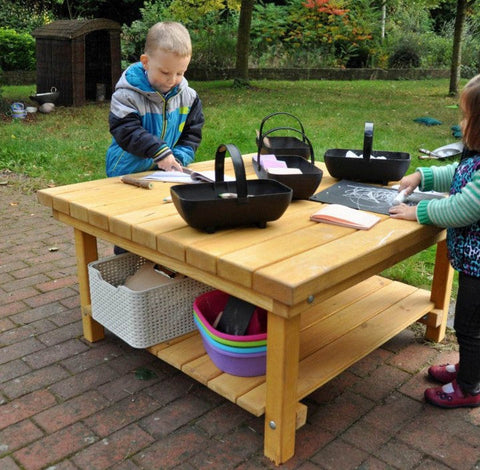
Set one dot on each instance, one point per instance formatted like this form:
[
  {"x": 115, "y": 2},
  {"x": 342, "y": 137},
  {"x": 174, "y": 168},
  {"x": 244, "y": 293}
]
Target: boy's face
[{"x": 165, "y": 70}]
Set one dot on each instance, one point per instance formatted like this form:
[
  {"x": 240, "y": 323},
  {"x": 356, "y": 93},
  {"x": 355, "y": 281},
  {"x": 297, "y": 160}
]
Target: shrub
[
  {"x": 214, "y": 36},
  {"x": 405, "y": 56},
  {"x": 17, "y": 50},
  {"x": 24, "y": 17},
  {"x": 133, "y": 36},
  {"x": 214, "y": 42}
]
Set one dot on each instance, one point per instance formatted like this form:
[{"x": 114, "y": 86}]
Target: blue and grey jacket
[{"x": 144, "y": 123}]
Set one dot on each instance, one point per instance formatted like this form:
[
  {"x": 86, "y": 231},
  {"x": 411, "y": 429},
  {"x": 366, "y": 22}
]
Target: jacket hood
[{"x": 135, "y": 78}]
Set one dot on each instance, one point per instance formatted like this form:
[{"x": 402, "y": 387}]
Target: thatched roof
[{"x": 70, "y": 29}]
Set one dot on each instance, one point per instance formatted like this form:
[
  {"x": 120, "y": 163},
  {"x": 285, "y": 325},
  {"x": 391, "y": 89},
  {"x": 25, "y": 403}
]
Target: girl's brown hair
[{"x": 470, "y": 105}]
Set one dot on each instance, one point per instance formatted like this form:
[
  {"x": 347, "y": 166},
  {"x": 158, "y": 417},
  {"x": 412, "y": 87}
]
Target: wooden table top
[{"x": 285, "y": 267}]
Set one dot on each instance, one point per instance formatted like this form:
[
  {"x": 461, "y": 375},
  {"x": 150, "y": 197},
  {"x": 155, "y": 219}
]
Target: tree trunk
[
  {"x": 243, "y": 43},
  {"x": 455, "y": 68}
]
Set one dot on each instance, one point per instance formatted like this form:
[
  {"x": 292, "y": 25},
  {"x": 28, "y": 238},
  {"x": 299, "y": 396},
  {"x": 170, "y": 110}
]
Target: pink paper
[{"x": 273, "y": 164}]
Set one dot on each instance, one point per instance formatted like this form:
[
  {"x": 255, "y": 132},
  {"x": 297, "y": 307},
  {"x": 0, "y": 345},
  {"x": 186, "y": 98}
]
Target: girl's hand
[
  {"x": 403, "y": 211},
  {"x": 410, "y": 183}
]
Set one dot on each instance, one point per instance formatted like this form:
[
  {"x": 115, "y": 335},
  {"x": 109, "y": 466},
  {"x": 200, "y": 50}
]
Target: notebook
[{"x": 338, "y": 214}]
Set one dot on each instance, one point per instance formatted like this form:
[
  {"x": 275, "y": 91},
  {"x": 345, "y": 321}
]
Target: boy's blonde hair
[
  {"x": 470, "y": 105},
  {"x": 169, "y": 36}
]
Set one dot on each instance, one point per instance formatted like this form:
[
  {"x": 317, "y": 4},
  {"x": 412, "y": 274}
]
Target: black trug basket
[
  {"x": 212, "y": 206},
  {"x": 367, "y": 169},
  {"x": 303, "y": 185},
  {"x": 283, "y": 145}
]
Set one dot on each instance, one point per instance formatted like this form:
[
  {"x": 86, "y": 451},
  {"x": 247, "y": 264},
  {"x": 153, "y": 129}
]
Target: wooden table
[{"x": 327, "y": 306}]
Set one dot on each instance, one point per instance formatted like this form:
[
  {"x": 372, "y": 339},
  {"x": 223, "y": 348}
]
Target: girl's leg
[{"x": 467, "y": 329}]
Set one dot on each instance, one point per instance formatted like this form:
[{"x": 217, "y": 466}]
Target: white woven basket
[{"x": 140, "y": 318}]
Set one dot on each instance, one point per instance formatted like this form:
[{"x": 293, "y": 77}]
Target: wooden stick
[{"x": 136, "y": 182}]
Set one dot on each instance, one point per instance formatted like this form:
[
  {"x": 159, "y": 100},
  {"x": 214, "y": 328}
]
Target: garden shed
[{"x": 80, "y": 58}]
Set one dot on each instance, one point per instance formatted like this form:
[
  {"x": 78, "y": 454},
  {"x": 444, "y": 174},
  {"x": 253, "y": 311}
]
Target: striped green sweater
[{"x": 458, "y": 210}]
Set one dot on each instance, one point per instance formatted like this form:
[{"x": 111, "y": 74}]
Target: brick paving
[{"x": 66, "y": 404}]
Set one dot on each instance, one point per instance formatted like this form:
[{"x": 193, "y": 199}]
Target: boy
[{"x": 155, "y": 118}]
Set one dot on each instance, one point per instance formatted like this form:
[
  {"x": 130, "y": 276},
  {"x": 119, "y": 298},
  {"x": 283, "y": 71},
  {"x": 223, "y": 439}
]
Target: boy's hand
[{"x": 169, "y": 164}]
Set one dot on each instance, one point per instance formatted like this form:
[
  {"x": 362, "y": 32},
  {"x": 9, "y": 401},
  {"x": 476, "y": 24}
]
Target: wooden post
[
  {"x": 441, "y": 293},
  {"x": 283, "y": 348},
  {"x": 86, "y": 250}
]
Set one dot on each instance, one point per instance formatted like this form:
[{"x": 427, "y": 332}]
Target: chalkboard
[{"x": 367, "y": 197}]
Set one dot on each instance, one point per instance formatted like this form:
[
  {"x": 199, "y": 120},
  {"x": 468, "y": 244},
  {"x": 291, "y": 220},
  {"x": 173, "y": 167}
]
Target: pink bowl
[{"x": 207, "y": 307}]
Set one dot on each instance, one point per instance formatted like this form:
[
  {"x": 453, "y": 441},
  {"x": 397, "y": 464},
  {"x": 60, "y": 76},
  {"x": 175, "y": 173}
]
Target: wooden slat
[
  {"x": 342, "y": 300},
  {"x": 63, "y": 200},
  {"x": 145, "y": 233},
  {"x": 322, "y": 267},
  {"x": 46, "y": 196},
  {"x": 232, "y": 387},
  {"x": 254, "y": 400},
  {"x": 202, "y": 369},
  {"x": 122, "y": 224},
  {"x": 240, "y": 264},
  {"x": 340, "y": 322},
  {"x": 326, "y": 363},
  {"x": 210, "y": 252},
  {"x": 177, "y": 242},
  {"x": 181, "y": 353},
  {"x": 119, "y": 202}
]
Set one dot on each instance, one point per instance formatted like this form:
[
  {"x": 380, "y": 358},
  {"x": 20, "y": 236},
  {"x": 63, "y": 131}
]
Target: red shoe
[
  {"x": 442, "y": 373},
  {"x": 451, "y": 396}
]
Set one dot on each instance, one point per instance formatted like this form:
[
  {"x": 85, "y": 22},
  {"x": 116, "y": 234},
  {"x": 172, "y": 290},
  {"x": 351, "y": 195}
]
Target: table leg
[
  {"x": 281, "y": 383},
  {"x": 440, "y": 294},
  {"x": 86, "y": 251}
]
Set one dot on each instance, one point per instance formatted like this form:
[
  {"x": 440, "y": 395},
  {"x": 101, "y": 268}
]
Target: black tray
[
  {"x": 255, "y": 202},
  {"x": 367, "y": 169},
  {"x": 283, "y": 145},
  {"x": 303, "y": 185}
]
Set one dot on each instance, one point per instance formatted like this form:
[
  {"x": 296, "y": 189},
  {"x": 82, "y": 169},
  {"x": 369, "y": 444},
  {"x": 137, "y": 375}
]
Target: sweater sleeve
[
  {"x": 191, "y": 135},
  {"x": 437, "y": 178},
  {"x": 458, "y": 210}
]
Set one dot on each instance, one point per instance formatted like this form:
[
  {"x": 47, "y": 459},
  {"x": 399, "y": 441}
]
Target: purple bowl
[{"x": 242, "y": 365}]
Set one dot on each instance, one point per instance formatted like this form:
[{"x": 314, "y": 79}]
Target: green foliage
[
  {"x": 17, "y": 50},
  {"x": 213, "y": 33},
  {"x": 405, "y": 56},
  {"x": 333, "y": 34},
  {"x": 191, "y": 12},
  {"x": 214, "y": 41},
  {"x": 316, "y": 33},
  {"x": 133, "y": 36},
  {"x": 471, "y": 47},
  {"x": 23, "y": 18}
]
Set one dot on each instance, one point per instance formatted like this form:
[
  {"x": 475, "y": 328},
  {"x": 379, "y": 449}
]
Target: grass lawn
[{"x": 69, "y": 144}]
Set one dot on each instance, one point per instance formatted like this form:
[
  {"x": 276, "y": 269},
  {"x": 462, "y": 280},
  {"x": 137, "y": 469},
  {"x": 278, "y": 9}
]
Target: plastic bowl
[
  {"x": 207, "y": 307},
  {"x": 225, "y": 347},
  {"x": 242, "y": 365},
  {"x": 237, "y": 344}
]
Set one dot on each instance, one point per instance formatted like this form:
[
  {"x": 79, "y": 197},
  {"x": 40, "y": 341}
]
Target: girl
[{"x": 460, "y": 214}]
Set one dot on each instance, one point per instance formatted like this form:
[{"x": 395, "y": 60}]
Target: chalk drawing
[{"x": 365, "y": 196}]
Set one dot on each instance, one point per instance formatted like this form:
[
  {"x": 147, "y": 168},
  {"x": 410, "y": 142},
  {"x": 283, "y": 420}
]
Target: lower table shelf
[{"x": 334, "y": 335}]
